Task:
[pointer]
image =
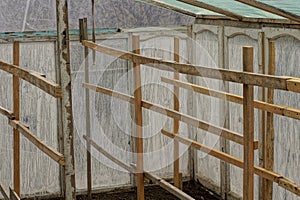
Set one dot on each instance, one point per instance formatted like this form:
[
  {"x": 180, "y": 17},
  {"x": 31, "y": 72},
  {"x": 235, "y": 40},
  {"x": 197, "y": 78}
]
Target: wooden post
[
  {"x": 269, "y": 143},
  {"x": 248, "y": 112},
  {"x": 84, "y": 36},
  {"x": 224, "y": 109},
  {"x": 138, "y": 120},
  {"x": 262, "y": 132},
  {"x": 177, "y": 180},
  {"x": 66, "y": 101},
  {"x": 16, "y": 100}
]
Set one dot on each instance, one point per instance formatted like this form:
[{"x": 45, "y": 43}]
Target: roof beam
[
  {"x": 169, "y": 7},
  {"x": 212, "y": 8},
  {"x": 271, "y": 9}
]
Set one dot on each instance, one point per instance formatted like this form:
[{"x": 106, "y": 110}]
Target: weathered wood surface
[
  {"x": 3, "y": 192},
  {"x": 167, "y": 186},
  {"x": 212, "y": 8},
  {"x": 230, "y": 135},
  {"x": 248, "y": 131},
  {"x": 275, "y": 10},
  {"x": 272, "y": 176},
  {"x": 275, "y": 82},
  {"x": 269, "y": 107},
  {"x": 24, "y": 130},
  {"x": 33, "y": 78}
]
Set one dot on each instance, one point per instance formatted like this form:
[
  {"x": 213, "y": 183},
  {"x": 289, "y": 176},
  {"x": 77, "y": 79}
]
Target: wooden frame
[{"x": 247, "y": 78}]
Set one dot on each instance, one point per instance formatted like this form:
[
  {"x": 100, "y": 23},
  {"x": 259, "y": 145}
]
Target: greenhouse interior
[{"x": 150, "y": 99}]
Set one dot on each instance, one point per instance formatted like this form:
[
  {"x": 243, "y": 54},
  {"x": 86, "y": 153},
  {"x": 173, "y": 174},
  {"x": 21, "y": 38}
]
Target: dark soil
[{"x": 152, "y": 192}]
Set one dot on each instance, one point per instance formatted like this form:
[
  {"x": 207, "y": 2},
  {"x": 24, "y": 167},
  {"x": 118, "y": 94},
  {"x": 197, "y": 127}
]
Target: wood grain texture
[{"x": 248, "y": 114}]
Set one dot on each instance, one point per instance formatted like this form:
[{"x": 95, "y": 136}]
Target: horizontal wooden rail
[
  {"x": 7, "y": 113},
  {"x": 52, "y": 153},
  {"x": 230, "y": 135},
  {"x": 34, "y": 78},
  {"x": 276, "y": 109},
  {"x": 167, "y": 186},
  {"x": 276, "y": 82},
  {"x": 272, "y": 176},
  {"x": 3, "y": 192},
  {"x": 164, "y": 184}
]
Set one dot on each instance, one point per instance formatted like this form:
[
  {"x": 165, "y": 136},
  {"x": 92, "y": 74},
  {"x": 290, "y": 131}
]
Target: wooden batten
[
  {"x": 276, "y": 109},
  {"x": 248, "y": 113},
  {"x": 13, "y": 195},
  {"x": 138, "y": 120},
  {"x": 51, "y": 152},
  {"x": 3, "y": 192},
  {"x": 16, "y": 107},
  {"x": 272, "y": 176},
  {"x": 269, "y": 140},
  {"x": 275, "y": 82},
  {"x": 6, "y": 113},
  {"x": 212, "y": 8},
  {"x": 177, "y": 181},
  {"x": 34, "y": 78},
  {"x": 262, "y": 6},
  {"x": 230, "y": 135}
]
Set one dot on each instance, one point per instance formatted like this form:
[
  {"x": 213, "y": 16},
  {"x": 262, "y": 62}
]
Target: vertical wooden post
[
  {"x": 177, "y": 181},
  {"x": 191, "y": 106},
  {"x": 248, "y": 112},
  {"x": 269, "y": 148},
  {"x": 84, "y": 36},
  {"x": 66, "y": 101},
  {"x": 224, "y": 109},
  {"x": 138, "y": 121},
  {"x": 16, "y": 100},
  {"x": 263, "y": 119}
]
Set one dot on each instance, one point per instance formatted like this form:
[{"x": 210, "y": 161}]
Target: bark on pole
[{"x": 66, "y": 107}]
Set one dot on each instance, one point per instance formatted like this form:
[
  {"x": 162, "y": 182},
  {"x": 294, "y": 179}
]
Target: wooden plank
[
  {"x": 230, "y": 135},
  {"x": 212, "y": 8},
  {"x": 170, "y": 7},
  {"x": 84, "y": 36},
  {"x": 167, "y": 186},
  {"x": 271, "y": 9},
  {"x": 276, "y": 109},
  {"x": 176, "y": 166},
  {"x": 261, "y": 80},
  {"x": 293, "y": 85},
  {"x": 248, "y": 113},
  {"x": 262, "y": 132},
  {"x": 109, "y": 156},
  {"x": 7, "y": 113},
  {"x": 3, "y": 192},
  {"x": 164, "y": 184},
  {"x": 63, "y": 52},
  {"x": 13, "y": 195},
  {"x": 138, "y": 120},
  {"x": 34, "y": 78},
  {"x": 51, "y": 152},
  {"x": 272, "y": 176},
  {"x": 269, "y": 143},
  {"x": 16, "y": 108}
]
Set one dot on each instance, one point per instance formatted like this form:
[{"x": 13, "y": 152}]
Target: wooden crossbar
[
  {"x": 212, "y": 8},
  {"x": 164, "y": 184},
  {"x": 13, "y": 195},
  {"x": 272, "y": 176},
  {"x": 276, "y": 109},
  {"x": 51, "y": 152},
  {"x": 230, "y": 135},
  {"x": 276, "y": 82},
  {"x": 34, "y": 78},
  {"x": 7, "y": 113},
  {"x": 3, "y": 192},
  {"x": 271, "y": 9}
]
